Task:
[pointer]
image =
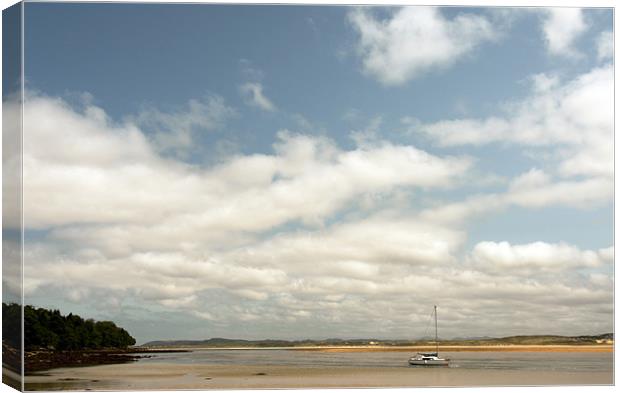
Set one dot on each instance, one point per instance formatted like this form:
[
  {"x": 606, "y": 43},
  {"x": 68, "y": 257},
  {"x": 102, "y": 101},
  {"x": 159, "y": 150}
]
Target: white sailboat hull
[{"x": 429, "y": 363}]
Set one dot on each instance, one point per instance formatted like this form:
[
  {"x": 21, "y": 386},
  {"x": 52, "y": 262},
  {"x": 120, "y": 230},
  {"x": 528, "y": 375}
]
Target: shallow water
[{"x": 541, "y": 361}]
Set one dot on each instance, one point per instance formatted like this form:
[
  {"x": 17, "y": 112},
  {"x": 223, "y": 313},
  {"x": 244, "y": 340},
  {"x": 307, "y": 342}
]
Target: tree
[{"x": 51, "y": 330}]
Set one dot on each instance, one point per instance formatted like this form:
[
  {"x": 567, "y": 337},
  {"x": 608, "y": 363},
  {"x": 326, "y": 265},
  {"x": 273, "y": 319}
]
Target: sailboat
[{"x": 429, "y": 359}]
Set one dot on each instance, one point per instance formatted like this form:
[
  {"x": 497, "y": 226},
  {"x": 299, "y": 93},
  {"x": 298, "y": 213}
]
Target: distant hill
[
  {"x": 228, "y": 343},
  {"x": 512, "y": 340},
  {"x": 536, "y": 340}
]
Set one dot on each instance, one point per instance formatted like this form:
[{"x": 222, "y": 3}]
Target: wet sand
[{"x": 161, "y": 376}]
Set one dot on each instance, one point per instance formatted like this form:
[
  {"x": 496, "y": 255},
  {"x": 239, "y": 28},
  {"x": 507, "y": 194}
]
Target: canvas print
[{"x": 233, "y": 196}]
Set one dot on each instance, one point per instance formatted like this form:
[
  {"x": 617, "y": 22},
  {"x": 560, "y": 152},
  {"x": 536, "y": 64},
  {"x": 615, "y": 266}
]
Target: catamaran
[{"x": 429, "y": 359}]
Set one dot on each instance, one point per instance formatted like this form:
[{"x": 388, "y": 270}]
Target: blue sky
[{"x": 389, "y": 148}]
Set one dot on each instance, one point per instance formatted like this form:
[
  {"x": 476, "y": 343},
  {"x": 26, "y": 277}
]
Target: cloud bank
[{"x": 309, "y": 236}]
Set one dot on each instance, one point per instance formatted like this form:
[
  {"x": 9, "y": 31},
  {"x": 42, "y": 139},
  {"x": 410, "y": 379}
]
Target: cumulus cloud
[
  {"x": 574, "y": 119},
  {"x": 252, "y": 93},
  {"x": 114, "y": 175},
  {"x": 553, "y": 113},
  {"x": 584, "y": 159},
  {"x": 415, "y": 40},
  {"x": 561, "y": 27},
  {"x": 114, "y": 203}
]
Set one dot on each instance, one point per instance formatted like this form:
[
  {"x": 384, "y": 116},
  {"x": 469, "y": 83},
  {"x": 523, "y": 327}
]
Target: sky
[{"x": 196, "y": 171}]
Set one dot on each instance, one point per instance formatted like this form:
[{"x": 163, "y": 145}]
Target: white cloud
[
  {"x": 542, "y": 83},
  {"x": 369, "y": 135},
  {"x": 357, "y": 249},
  {"x": 532, "y": 189},
  {"x": 336, "y": 275},
  {"x": 605, "y": 45},
  {"x": 551, "y": 114},
  {"x": 348, "y": 297},
  {"x": 280, "y": 235},
  {"x": 308, "y": 180},
  {"x": 606, "y": 254},
  {"x": 601, "y": 280},
  {"x": 574, "y": 119},
  {"x": 113, "y": 175},
  {"x": 344, "y": 296},
  {"x": 561, "y": 27},
  {"x": 11, "y": 163},
  {"x": 415, "y": 40},
  {"x": 174, "y": 131},
  {"x": 252, "y": 93},
  {"x": 538, "y": 255},
  {"x": 165, "y": 277},
  {"x": 532, "y": 179},
  {"x": 114, "y": 203}
]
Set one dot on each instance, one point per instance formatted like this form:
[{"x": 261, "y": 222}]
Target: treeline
[{"x": 49, "y": 329}]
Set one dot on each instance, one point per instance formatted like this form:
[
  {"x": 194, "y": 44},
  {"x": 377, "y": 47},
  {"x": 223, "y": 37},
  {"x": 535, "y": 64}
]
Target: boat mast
[{"x": 436, "y": 342}]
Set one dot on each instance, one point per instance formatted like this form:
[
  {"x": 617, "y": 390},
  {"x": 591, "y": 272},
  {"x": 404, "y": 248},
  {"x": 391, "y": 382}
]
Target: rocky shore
[{"x": 45, "y": 359}]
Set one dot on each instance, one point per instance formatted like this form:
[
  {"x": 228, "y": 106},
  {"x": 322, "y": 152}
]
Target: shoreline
[
  {"x": 41, "y": 360},
  {"x": 425, "y": 348},
  {"x": 477, "y": 348}
]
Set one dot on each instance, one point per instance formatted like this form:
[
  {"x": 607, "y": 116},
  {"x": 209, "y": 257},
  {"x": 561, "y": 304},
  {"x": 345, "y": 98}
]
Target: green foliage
[
  {"x": 50, "y": 329},
  {"x": 11, "y": 324}
]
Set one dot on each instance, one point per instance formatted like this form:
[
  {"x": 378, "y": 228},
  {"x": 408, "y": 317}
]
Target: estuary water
[{"x": 539, "y": 361}]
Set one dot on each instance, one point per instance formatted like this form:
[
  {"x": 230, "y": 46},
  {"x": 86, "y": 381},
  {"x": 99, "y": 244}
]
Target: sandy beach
[
  {"x": 199, "y": 371},
  {"x": 142, "y": 376}
]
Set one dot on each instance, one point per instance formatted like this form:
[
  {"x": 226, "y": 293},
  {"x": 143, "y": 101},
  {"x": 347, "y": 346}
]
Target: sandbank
[
  {"x": 443, "y": 348},
  {"x": 472, "y": 348}
]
